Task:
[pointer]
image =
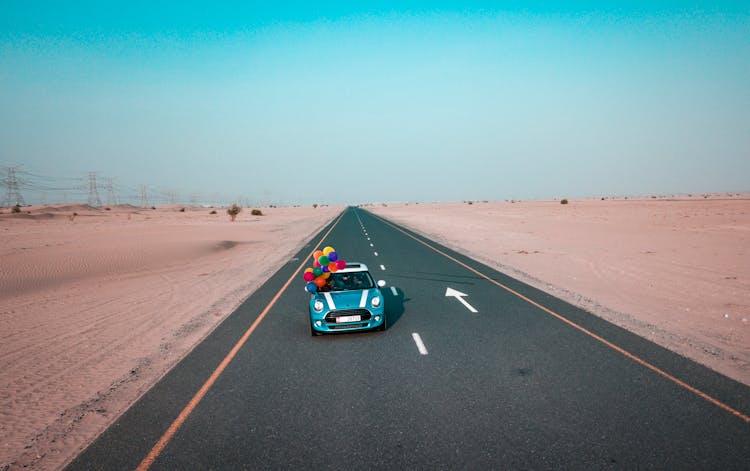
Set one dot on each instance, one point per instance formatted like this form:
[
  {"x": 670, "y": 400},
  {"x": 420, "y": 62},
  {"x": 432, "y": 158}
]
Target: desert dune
[{"x": 97, "y": 306}]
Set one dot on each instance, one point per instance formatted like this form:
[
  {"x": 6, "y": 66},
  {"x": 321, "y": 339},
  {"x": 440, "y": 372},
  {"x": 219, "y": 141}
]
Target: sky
[{"x": 355, "y": 102}]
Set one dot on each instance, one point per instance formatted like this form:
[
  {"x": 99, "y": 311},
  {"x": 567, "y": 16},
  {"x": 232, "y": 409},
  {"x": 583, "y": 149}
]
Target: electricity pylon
[
  {"x": 111, "y": 197},
  {"x": 13, "y": 195},
  {"x": 94, "y": 199}
]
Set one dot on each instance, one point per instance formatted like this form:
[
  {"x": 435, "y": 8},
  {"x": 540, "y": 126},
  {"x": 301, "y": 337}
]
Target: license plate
[{"x": 348, "y": 319}]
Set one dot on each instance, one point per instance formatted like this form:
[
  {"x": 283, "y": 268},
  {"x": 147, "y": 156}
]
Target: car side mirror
[{"x": 381, "y": 283}]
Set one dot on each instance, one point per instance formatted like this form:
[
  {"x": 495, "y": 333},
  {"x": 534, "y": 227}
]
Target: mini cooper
[{"x": 350, "y": 301}]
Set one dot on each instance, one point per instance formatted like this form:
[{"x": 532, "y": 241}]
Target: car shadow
[{"x": 393, "y": 304}]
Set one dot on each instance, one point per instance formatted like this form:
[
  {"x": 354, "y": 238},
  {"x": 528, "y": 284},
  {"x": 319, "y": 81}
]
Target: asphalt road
[{"x": 525, "y": 382}]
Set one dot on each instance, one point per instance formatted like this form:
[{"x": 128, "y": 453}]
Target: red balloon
[
  {"x": 341, "y": 264},
  {"x": 308, "y": 276}
]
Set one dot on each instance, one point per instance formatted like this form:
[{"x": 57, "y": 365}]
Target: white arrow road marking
[
  {"x": 459, "y": 295},
  {"x": 420, "y": 345},
  {"x": 376, "y": 254},
  {"x": 382, "y": 267}
]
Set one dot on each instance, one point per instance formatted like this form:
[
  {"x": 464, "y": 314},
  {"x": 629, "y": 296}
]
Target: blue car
[{"x": 350, "y": 301}]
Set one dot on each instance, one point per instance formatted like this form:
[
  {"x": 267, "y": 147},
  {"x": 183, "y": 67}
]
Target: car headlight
[
  {"x": 318, "y": 306},
  {"x": 375, "y": 301}
]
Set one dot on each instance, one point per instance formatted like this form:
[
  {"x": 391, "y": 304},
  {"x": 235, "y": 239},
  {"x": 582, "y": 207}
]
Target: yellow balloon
[
  {"x": 328, "y": 250},
  {"x": 325, "y": 275}
]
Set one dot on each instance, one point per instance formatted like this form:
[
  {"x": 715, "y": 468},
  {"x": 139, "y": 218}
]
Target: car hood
[{"x": 347, "y": 299}]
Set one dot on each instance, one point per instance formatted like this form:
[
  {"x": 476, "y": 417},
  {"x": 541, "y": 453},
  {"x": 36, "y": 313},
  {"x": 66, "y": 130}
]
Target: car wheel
[
  {"x": 314, "y": 332},
  {"x": 384, "y": 325}
]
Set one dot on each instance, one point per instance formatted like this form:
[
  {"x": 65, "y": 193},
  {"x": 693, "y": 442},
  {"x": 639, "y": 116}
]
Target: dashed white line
[
  {"x": 394, "y": 291},
  {"x": 372, "y": 245},
  {"x": 382, "y": 267},
  {"x": 420, "y": 345},
  {"x": 376, "y": 254}
]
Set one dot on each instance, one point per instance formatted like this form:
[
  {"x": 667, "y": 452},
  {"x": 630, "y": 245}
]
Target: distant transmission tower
[
  {"x": 111, "y": 197},
  {"x": 94, "y": 199},
  {"x": 144, "y": 196},
  {"x": 12, "y": 196}
]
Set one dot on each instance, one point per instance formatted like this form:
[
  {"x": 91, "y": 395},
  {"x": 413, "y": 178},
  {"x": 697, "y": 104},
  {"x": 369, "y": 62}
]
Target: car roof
[{"x": 353, "y": 267}]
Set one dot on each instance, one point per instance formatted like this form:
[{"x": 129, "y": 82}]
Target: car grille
[
  {"x": 347, "y": 326},
  {"x": 363, "y": 313}
]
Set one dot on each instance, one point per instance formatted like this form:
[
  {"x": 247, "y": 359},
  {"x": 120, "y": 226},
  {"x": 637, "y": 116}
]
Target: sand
[
  {"x": 95, "y": 308},
  {"x": 674, "y": 270}
]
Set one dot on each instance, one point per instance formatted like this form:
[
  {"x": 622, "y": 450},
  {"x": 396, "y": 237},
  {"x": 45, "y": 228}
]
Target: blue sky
[{"x": 355, "y": 101}]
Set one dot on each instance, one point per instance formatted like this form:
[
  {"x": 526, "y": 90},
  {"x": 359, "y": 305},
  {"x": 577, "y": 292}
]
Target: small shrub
[
  {"x": 16, "y": 209},
  {"x": 315, "y": 206},
  {"x": 256, "y": 212},
  {"x": 182, "y": 210},
  {"x": 153, "y": 207},
  {"x": 108, "y": 209},
  {"x": 564, "y": 201},
  {"x": 233, "y": 211},
  {"x": 213, "y": 212}
]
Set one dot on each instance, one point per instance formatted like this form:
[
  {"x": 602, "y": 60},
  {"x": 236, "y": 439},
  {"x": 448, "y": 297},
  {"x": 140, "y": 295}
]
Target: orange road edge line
[
  {"x": 190, "y": 407},
  {"x": 606, "y": 342}
]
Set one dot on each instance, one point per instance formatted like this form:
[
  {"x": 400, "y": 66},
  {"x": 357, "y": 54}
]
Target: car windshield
[{"x": 351, "y": 281}]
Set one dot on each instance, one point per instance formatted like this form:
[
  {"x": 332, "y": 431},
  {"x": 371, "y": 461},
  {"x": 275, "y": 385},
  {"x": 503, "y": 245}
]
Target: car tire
[
  {"x": 384, "y": 325},
  {"x": 314, "y": 332}
]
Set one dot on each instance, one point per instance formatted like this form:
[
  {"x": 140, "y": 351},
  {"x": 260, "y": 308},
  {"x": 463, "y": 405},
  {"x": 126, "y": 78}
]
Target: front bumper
[{"x": 345, "y": 320}]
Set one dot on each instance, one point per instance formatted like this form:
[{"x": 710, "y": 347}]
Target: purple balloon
[
  {"x": 333, "y": 256},
  {"x": 325, "y": 269}
]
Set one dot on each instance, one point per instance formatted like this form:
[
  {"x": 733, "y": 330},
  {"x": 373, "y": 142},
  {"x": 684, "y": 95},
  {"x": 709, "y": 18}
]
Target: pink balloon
[
  {"x": 341, "y": 264},
  {"x": 308, "y": 276}
]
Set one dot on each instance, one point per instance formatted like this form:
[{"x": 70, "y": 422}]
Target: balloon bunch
[{"x": 325, "y": 262}]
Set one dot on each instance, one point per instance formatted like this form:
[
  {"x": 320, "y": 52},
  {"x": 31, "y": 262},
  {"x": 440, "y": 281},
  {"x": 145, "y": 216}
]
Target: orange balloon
[
  {"x": 317, "y": 254},
  {"x": 320, "y": 281},
  {"x": 333, "y": 267}
]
